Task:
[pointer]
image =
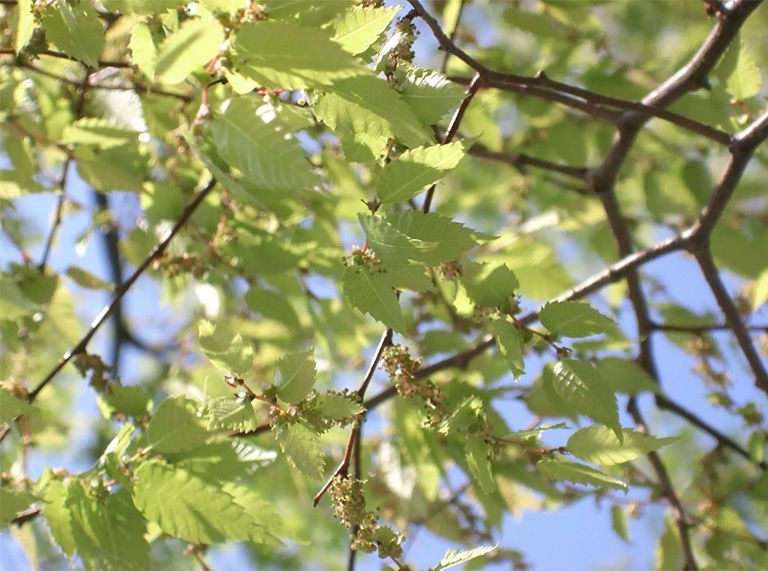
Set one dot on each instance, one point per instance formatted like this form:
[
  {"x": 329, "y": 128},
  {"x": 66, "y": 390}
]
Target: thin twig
[
  {"x": 521, "y": 161},
  {"x": 123, "y": 288}
]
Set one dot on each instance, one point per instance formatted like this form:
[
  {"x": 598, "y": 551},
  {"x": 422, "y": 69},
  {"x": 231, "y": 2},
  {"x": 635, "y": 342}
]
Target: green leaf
[
  {"x": 370, "y": 108},
  {"x": 272, "y": 305},
  {"x": 176, "y": 426},
  {"x": 427, "y": 92},
  {"x": 262, "y": 149},
  {"x": 266, "y": 519},
  {"x": 86, "y": 279},
  {"x": 508, "y": 341},
  {"x": 579, "y": 474},
  {"x": 759, "y": 294},
  {"x": 231, "y": 414},
  {"x": 57, "y": 516},
  {"x": 457, "y": 557},
  {"x": 225, "y": 348},
  {"x": 295, "y": 375},
  {"x": 143, "y": 49},
  {"x": 275, "y": 55},
  {"x": 626, "y": 376},
  {"x": 188, "y": 49},
  {"x": 453, "y": 238},
  {"x": 371, "y": 293},
  {"x": 76, "y": 30},
  {"x": 391, "y": 245},
  {"x": 415, "y": 170},
  {"x": 357, "y": 29},
  {"x": 99, "y": 133},
  {"x": 619, "y": 523},
  {"x": 13, "y": 501},
  {"x": 25, "y": 24},
  {"x": 187, "y": 506},
  {"x": 584, "y": 390},
  {"x": 302, "y": 448},
  {"x": 109, "y": 534},
  {"x": 12, "y": 406},
  {"x": 336, "y": 406},
  {"x": 599, "y": 445},
  {"x": 476, "y": 451},
  {"x": 125, "y": 401},
  {"x": 739, "y": 72},
  {"x": 408, "y": 276},
  {"x": 535, "y": 432},
  {"x": 574, "y": 319},
  {"x": 490, "y": 285}
]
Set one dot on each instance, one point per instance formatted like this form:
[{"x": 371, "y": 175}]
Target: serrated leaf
[
  {"x": 13, "y": 501},
  {"x": 12, "y": 406},
  {"x": 371, "y": 293},
  {"x": 535, "y": 432},
  {"x": 574, "y": 319},
  {"x": 176, "y": 426},
  {"x": 263, "y": 150},
  {"x": 453, "y": 238},
  {"x": 188, "y": 49},
  {"x": 584, "y": 390},
  {"x": 99, "y": 133},
  {"x": 275, "y": 55},
  {"x": 476, "y": 451},
  {"x": 295, "y": 375},
  {"x": 109, "y": 534},
  {"x": 266, "y": 520},
  {"x": 187, "y": 506},
  {"x": 372, "y": 110},
  {"x": 579, "y": 474},
  {"x": 599, "y": 445},
  {"x": 739, "y": 72},
  {"x": 356, "y": 29},
  {"x": 302, "y": 448},
  {"x": 86, "y": 279},
  {"x": 408, "y": 276},
  {"x": 143, "y": 49},
  {"x": 76, "y": 30},
  {"x": 415, "y": 170},
  {"x": 491, "y": 285},
  {"x": 58, "y": 518},
  {"x": 508, "y": 341},
  {"x": 124, "y": 400},
  {"x": 391, "y": 245},
  {"x": 335, "y": 406},
  {"x": 626, "y": 376},
  {"x": 619, "y": 522},
  {"x": 457, "y": 557},
  {"x": 428, "y": 93},
  {"x": 225, "y": 348},
  {"x": 231, "y": 414}
]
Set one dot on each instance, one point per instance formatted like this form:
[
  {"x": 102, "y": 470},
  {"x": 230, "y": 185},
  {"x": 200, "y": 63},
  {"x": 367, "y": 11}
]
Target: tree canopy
[{"x": 371, "y": 268}]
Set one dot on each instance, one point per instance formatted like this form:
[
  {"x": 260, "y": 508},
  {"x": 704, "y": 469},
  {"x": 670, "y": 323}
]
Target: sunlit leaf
[
  {"x": 579, "y": 474},
  {"x": 574, "y": 319},
  {"x": 176, "y": 426},
  {"x": 188, "y": 50},
  {"x": 371, "y": 293},
  {"x": 599, "y": 445},
  {"x": 295, "y": 375}
]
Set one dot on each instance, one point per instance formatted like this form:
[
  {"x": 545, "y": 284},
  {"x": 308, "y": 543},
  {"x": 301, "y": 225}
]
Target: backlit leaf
[
  {"x": 188, "y": 50},
  {"x": 599, "y": 445},
  {"x": 295, "y": 376},
  {"x": 453, "y": 238},
  {"x": 391, "y": 245},
  {"x": 574, "y": 319},
  {"x": 337, "y": 406},
  {"x": 428, "y": 93},
  {"x": 225, "y": 348},
  {"x": 176, "y": 426},
  {"x": 356, "y": 29},
  {"x": 143, "y": 49},
  {"x": 491, "y": 284},
  {"x": 457, "y": 557},
  {"x": 508, "y": 341},
  {"x": 302, "y": 448},
  {"x": 619, "y": 522},
  {"x": 371, "y": 293},
  {"x": 626, "y": 376},
  {"x": 75, "y": 28},
  {"x": 476, "y": 451},
  {"x": 579, "y": 474}
]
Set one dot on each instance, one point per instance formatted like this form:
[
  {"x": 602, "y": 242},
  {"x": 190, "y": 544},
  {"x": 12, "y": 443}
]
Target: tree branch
[
  {"x": 521, "y": 161},
  {"x": 123, "y": 288}
]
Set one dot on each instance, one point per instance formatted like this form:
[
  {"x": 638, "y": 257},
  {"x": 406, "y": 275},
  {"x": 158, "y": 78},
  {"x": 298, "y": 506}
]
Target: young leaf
[
  {"x": 273, "y": 306},
  {"x": 189, "y": 49},
  {"x": 25, "y": 24},
  {"x": 261, "y": 149},
  {"x": 626, "y": 376},
  {"x": 453, "y": 238},
  {"x": 176, "y": 426},
  {"x": 356, "y": 29},
  {"x": 231, "y": 414},
  {"x": 12, "y": 406},
  {"x": 57, "y": 516},
  {"x": 295, "y": 376},
  {"x": 457, "y": 557},
  {"x": 390, "y": 245},
  {"x": 579, "y": 474},
  {"x": 619, "y": 522},
  {"x": 599, "y": 445},
  {"x": 302, "y": 448},
  {"x": 275, "y": 55},
  {"x": 143, "y": 49},
  {"x": 584, "y": 390},
  {"x": 427, "y": 92},
  {"x": 98, "y": 133},
  {"x": 490, "y": 285},
  {"x": 476, "y": 451},
  {"x": 335, "y": 406},
  {"x": 739, "y": 72},
  {"x": 225, "y": 348},
  {"x": 415, "y": 170},
  {"x": 76, "y": 30},
  {"x": 187, "y": 506},
  {"x": 368, "y": 106},
  {"x": 371, "y": 293},
  {"x": 267, "y": 522},
  {"x": 574, "y": 319},
  {"x": 86, "y": 279},
  {"x": 12, "y": 502},
  {"x": 508, "y": 341}
]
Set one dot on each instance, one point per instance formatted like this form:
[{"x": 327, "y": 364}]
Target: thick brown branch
[{"x": 123, "y": 288}]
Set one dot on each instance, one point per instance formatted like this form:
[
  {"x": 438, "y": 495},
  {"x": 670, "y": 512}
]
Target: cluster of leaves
[{"x": 284, "y": 157}]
